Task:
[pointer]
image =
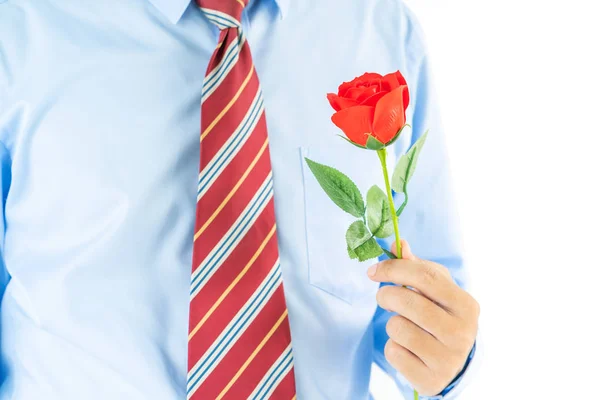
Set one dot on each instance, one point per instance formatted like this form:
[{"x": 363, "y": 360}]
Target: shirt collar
[{"x": 174, "y": 9}]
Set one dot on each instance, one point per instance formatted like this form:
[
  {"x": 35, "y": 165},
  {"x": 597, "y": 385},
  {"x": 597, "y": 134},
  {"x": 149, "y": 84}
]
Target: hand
[{"x": 433, "y": 335}]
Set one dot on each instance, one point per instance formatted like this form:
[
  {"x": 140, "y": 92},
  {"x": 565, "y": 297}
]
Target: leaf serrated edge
[{"x": 312, "y": 163}]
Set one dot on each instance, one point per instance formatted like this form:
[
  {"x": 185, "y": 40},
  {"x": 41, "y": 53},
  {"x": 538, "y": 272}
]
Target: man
[{"x": 103, "y": 107}]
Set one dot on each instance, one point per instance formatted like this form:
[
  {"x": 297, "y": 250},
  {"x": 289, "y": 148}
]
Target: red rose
[{"x": 371, "y": 105}]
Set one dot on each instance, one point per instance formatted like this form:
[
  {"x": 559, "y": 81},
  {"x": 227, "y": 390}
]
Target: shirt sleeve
[
  {"x": 430, "y": 221},
  {"x": 5, "y": 162},
  {"x": 6, "y": 126},
  {"x": 5, "y": 178}
]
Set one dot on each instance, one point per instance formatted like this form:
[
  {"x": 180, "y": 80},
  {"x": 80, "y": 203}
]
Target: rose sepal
[
  {"x": 352, "y": 143},
  {"x": 375, "y": 144}
]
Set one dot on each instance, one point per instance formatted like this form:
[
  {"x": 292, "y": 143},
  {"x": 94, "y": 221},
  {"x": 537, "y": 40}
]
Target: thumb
[{"x": 407, "y": 253}]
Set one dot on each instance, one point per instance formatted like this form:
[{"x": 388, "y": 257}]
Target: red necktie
[{"x": 239, "y": 341}]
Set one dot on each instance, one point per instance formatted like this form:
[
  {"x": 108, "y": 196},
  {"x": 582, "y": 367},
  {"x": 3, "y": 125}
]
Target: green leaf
[
  {"x": 361, "y": 243},
  {"x": 407, "y": 164},
  {"x": 374, "y": 144},
  {"x": 340, "y": 189},
  {"x": 369, "y": 249},
  {"x": 357, "y": 234},
  {"x": 388, "y": 253},
  {"x": 352, "y": 253},
  {"x": 379, "y": 216}
]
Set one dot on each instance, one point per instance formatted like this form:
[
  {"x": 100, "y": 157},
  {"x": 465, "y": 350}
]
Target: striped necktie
[{"x": 239, "y": 344}]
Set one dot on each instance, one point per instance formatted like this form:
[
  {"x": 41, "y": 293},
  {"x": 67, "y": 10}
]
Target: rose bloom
[{"x": 371, "y": 105}]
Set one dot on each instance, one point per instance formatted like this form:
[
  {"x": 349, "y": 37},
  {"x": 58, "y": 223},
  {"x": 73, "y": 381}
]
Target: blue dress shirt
[{"x": 99, "y": 148}]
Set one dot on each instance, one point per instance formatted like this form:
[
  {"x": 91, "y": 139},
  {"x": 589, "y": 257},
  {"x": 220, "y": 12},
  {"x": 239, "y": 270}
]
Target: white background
[{"x": 519, "y": 87}]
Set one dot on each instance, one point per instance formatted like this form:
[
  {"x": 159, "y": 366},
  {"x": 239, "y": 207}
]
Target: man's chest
[
  {"x": 125, "y": 106},
  {"x": 107, "y": 128}
]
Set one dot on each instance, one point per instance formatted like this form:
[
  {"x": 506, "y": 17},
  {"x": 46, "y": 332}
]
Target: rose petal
[
  {"x": 356, "y": 122},
  {"x": 369, "y": 77},
  {"x": 367, "y": 92},
  {"x": 339, "y": 103},
  {"x": 372, "y": 101},
  {"x": 390, "y": 114},
  {"x": 401, "y": 79},
  {"x": 390, "y": 82},
  {"x": 343, "y": 88},
  {"x": 355, "y": 93}
]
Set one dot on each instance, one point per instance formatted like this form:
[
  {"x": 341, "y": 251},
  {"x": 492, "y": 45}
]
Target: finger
[
  {"x": 425, "y": 276},
  {"x": 407, "y": 253},
  {"x": 412, "y": 337},
  {"x": 409, "y": 365},
  {"x": 417, "y": 308}
]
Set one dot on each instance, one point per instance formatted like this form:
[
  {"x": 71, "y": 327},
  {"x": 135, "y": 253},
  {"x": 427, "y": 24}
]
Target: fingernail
[{"x": 372, "y": 270}]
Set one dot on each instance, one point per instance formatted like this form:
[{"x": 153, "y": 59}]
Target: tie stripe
[
  {"x": 228, "y": 106},
  {"x": 236, "y": 327},
  {"x": 233, "y": 284},
  {"x": 222, "y": 20},
  {"x": 233, "y": 191},
  {"x": 243, "y": 345},
  {"x": 235, "y": 116},
  {"x": 243, "y": 298},
  {"x": 227, "y": 231},
  {"x": 255, "y": 372},
  {"x": 253, "y": 355},
  {"x": 222, "y": 363},
  {"x": 280, "y": 368},
  {"x": 215, "y": 77},
  {"x": 233, "y": 145},
  {"x": 285, "y": 389},
  {"x": 223, "y": 257},
  {"x": 239, "y": 342}
]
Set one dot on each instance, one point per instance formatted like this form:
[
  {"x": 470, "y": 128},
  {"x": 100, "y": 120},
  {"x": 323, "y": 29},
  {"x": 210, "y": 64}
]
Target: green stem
[{"x": 382, "y": 156}]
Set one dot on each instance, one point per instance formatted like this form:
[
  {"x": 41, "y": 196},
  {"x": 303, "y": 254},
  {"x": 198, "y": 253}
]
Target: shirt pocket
[{"x": 329, "y": 266}]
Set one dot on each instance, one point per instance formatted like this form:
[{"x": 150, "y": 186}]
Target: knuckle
[
  {"x": 445, "y": 271},
  {"x": 396, "y": 327},
  {"x": 465, "y": 341},
  {"x": 384, "y": 296},
  {"x": 472, "y": 311},
  {"x": 475, "y": 307},
  {"x": 409, "y": 298},
  {"x": 443, "y": 361},
  {"x": 454, "y": 362},
  {"x": 429, "y": 273},
  {"x": 462, "y": 336},
  {"x": 438, "y": 380},
  {"x": 431, "y": 385},
  {"x": 389, "y": 352},
  {"x": 454, "y": 298},
  {"x": 391, "y": 328},
  {"x": 385, "y": 269}
]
